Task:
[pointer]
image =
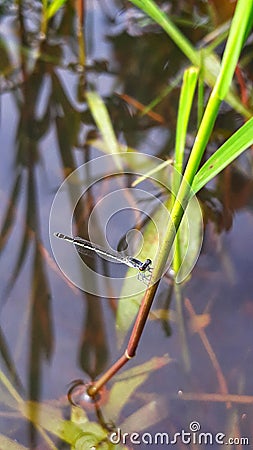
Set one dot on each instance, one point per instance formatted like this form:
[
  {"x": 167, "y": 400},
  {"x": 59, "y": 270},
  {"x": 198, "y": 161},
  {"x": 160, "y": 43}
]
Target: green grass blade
[
  {"x": 199, "y": 147},
  {"x": 163, "y": 94},
  {"x": 126, "y": 384},
  {"x": 201, "y": 94},
  {"x": 211, "y": 61},
  {"x": 6, "y": 442},
  {"x": 148, "y": 415},
  {"x": 49, "y": 418},
  {"x": 190, "y": 237},
  {"x": 185, "y": 104},
  {"x": 228, "y": 152},
  {"x": 153, "y": 11},
  {"x": 217, "y": 36},
  {"x": 234, "y": 45},
  {"x": 54, "y": 7},
  {"x": 9, "y": 387},
  {"x": 231, "y": 56},
  {"x": 104, "y": 124}
]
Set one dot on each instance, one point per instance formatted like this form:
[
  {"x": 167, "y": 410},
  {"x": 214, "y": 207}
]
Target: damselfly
[{"x": 88, "y": 248}]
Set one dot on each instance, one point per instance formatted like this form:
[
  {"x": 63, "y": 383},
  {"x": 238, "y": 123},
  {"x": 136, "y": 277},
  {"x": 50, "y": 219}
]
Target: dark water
[{"x": 53, "y": 333}]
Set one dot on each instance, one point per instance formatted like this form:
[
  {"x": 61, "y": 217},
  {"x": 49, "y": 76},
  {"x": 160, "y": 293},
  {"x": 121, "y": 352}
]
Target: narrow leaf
[
  {"x": 233, "y": 47},
  {"x": 50, "y": 418},
  {"x": 185, "y": 104},
  {"x": 104, "y": 124},
  {"x": 211, "y": 62},
  {"x": 127, "y": 382},
  {"x": 190, "y": 238},
  {"x": 54, "y": 7},
  {"x": 147, "y": 416},
  {"x": 159, "y": 16},
  {"x": 9, "y": 444},
  {"x": 231, "y": 149}
]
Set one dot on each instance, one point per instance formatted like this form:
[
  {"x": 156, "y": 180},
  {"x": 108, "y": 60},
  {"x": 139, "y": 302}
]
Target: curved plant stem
[{"x": 230, "y": 58}]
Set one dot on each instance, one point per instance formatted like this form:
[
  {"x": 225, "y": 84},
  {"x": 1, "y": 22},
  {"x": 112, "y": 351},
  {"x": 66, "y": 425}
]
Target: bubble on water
[{"x": 78, "y": 395}]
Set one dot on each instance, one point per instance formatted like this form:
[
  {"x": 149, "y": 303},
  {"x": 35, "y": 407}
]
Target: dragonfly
[{"x": 89, "y": 248}]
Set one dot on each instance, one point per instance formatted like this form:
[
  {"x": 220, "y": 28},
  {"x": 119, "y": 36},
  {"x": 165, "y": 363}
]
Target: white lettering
[
  {"x": 174, "y": 440},
  {"x": 149, "y": 438},
  {"x": 208, "y": 438},
  {"x": 186, "y": 437},
  {"x": 115, "y": 436},
  {"x": 162, "y": 441},
  {"x": 124, "y": 437},
  {"x": 219, "y": 438},
  {"x": 134, "y": 437}
]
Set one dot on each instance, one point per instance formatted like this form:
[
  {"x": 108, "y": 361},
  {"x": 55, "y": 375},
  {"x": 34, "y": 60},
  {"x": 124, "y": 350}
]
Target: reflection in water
[{"x": 50, "y": 332}]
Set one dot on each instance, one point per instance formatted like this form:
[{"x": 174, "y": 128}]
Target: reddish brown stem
[{"x": 133, "y": 342}]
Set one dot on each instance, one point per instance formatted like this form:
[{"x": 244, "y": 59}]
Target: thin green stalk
[
  {"x": 231, "y": 55},
  {"x": 43, "y": 26},
  {"x": 185, "y": 104},
  {"x": 202, "y": 137},
  {"x": 10, "y": 388},
  {"x": 201, "y": 93},
  {"x": 229, "y": 61},
  {"x": 49, "y": 9},
  {"x": 151, "y": 9},
  {"x": 211, "y": 61},
  {"x": 231, "y": 149},
  {"x": 104, "y": 124}
]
